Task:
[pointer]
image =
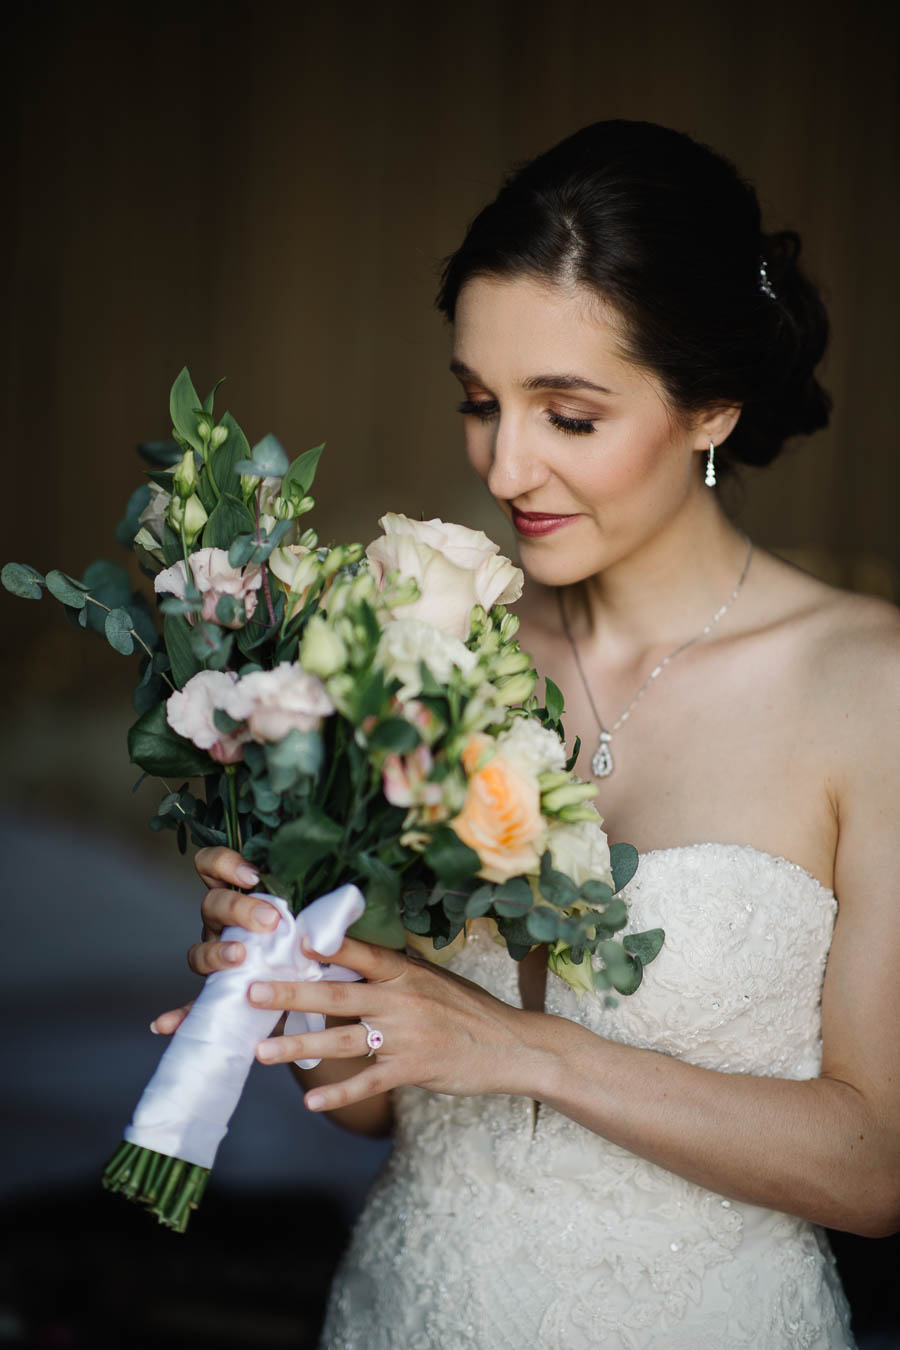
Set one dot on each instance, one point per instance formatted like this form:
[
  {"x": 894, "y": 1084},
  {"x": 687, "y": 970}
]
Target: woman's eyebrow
[{"x": 560, "y": 381}]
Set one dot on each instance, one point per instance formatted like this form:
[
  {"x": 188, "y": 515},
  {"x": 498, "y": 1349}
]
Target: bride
[{"x": 567, "y": 1175}]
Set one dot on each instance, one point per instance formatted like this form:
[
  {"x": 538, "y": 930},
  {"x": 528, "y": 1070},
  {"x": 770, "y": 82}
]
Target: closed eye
[
  {"x": 572, "y": 426},
  {"x": 482, "y": 408}
]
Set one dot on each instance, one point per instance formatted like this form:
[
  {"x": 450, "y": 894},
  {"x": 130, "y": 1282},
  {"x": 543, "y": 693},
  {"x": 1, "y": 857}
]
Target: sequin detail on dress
[{"x": 489, "y": 1229}]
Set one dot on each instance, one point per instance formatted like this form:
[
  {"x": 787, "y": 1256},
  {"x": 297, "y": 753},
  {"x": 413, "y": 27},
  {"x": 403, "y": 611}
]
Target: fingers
[
  {"x": 167, "y": 1022},
  {"x": 369, "y": 1082},
  {"x": 222, "y": 866},
  {"x": 221, "y": 908},
  {"x": 345, "y": 1042},
  {"x": 322, "y": 996},
  {"x": 373, "y": 963},
  {"x": 206, "y": 957}
]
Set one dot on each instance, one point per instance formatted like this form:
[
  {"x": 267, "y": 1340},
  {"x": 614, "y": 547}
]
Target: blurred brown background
[{"x": 265, "y": 192}]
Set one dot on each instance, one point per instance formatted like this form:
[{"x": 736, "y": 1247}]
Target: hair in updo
[{"x": 667, "y": 232}]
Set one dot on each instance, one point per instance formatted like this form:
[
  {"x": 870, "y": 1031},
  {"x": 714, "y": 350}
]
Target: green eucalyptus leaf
[
  {"x": 241, "y": 550},
  {"x": 128, "y": 527},
  {"x": 543, "y": 924},
  {"x": 298, "y": 755},
  {"x": 596, "y": 893},
  {"x": 66, "y": 589},
  {"x": 227, "y": 725},
  {"x": 177, "y": 637},
  {"x": 624, "y": 862},
  {"x": 267, "y": 459},
  {"x": 479, "y": 902},
  {"x": 513, "y": 898},
  {"x": 118, "y": 627},
  {"x": 228, "y": 610},
  {"x": 183, "y": 404},
  {"x": 417, "y": 922},
  {"x": 230, "y": 517},
  {"x": 110, "y": 585},
  {"x": 645, "y": 945},
  {"x": 555, "y": 886},
  {"x": 299, "y": 477},
  {"x": 449, "y": 858},
  {"x": 158, "y": 750},
  {"x": 22, "y": 580},
  {"x": 440, "y": 940},
  {"x": 573, "y": 758}
]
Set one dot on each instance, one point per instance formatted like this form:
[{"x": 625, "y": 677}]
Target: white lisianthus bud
[
  {"x": 185, "y": 480},
  {"x": 305, "y": 505},
  {"x": 517, "y": 688},
  {"x": 322, "y": 651},
  {"x": 511, "y": 662},
  {"x": 578, "y": 977},
  {"x": 218, "y": 437},
  {"x": 203, "y": 431},
  {"x": 571, "y": 794},
  {"x": 572, "y": 814},
  {"x": 509, "y": 626},
  {"x": 195, "y": 518}
]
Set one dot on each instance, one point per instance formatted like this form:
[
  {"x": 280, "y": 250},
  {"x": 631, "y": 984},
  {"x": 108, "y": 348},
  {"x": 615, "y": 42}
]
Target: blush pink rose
[
  {"x": 274, "y": 702},
  {"x": 190, "y": 711},
  {"x": 214, "y": 577}
]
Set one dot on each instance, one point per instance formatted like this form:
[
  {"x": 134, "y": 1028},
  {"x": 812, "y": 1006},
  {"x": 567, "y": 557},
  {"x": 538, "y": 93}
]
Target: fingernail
[
  {"x": 261, "y": 993},
  {"x": 232, "y": 951},
  {"x": 155, "y": 1029},
  {"x": 267, "y": 1050},
  {"x": 266, "y": 915},
  {"x": 314, "y": 1101},
  {"x": 247, "y": 876}
]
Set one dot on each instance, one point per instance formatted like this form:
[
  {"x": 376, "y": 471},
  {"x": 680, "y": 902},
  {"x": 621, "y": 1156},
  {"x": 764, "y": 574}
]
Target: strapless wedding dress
[{"x": 496, "y": 1226}]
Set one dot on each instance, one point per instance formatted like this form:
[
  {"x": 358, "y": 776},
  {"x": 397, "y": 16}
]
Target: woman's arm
[{"x": 827, "y": 1149}]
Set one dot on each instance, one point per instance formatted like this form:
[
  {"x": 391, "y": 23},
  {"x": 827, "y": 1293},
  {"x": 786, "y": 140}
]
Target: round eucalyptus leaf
[
  {"x": 118, "y": 627},
  {"x": 22, "y": 580}
]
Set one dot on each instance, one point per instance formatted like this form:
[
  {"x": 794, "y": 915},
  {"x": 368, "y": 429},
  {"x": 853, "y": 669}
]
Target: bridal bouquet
[{"x": 362, "y": 725}]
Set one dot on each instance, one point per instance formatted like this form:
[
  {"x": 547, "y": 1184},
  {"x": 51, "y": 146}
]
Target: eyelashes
[{"x": 485, "y": 409}]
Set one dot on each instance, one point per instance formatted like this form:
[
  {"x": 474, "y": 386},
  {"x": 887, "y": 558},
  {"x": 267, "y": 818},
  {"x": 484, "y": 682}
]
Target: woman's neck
[{"x": 664, "y": 591}]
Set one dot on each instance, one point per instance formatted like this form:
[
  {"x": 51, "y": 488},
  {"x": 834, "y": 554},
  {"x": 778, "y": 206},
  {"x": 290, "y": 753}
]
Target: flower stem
[{"x": 169, "y": 1188}]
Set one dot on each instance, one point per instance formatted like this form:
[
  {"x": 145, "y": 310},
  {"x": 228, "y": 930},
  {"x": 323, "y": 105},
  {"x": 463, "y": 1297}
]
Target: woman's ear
[{"x": 716, "y": 425}]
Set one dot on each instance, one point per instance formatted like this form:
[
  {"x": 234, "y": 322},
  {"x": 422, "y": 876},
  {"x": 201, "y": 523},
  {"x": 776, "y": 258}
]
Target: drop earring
[{"x": 710, "y": 479}]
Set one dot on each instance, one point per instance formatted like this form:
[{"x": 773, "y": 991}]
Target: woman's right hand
[{"x": 226, "y": 875}]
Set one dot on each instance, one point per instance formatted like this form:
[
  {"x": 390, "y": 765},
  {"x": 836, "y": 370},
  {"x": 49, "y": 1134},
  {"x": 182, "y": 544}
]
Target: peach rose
[{"x": 501, "y": 816}]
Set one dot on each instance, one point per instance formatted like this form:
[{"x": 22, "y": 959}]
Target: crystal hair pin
[{"x": 765, "y": 284}]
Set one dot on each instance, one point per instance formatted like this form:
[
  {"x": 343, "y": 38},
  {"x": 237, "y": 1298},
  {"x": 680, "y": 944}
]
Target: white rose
[
  {"x": 190, "y": 712},
  {"x": 274, "y": 702},
  {"x": 406, "y": 643},
  {"x": 153, "y": 516},
  {"x": 534, "y": 748},
  {"x": 454, "y": 567},
  {"x": 581, "y": 851}
]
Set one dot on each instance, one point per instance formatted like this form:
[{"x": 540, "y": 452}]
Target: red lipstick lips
[{"x": 533, "y": 524}]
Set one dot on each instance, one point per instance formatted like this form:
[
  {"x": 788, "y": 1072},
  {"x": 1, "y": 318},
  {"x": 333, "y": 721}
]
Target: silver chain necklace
[{"x": 602, "y": 763}]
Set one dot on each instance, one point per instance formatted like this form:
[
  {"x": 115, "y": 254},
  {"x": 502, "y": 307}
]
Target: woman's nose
[{"x": 515, "y": 468}]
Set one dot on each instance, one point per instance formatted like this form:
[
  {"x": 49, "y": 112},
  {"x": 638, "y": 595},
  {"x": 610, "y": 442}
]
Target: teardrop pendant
[{"x": 603, "y": 764}]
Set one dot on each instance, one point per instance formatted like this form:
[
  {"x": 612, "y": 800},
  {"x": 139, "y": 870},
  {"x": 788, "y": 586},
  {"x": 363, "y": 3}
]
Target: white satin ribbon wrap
[{"x": 185, "y": 1108}]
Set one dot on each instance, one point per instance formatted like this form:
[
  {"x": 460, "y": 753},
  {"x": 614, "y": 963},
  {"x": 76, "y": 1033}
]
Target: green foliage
[
  {"x": 177, "y": 637},
  {"x": 554, "y": 701},
  {"x": 645, "y": 946},
  {"x": 624, "y": 862},
  {"x": 394, "y": 734},
  {"x": 22, "y": 580},
  {"x": 110, "y": 585},
  {"x": 158, "y": 750},
  {"x": 129, "y": 525},
  {"x": 381, "y": 921},
  {"x": 301, "y": 843},
  {"x": 299, "y": 478},
  {"x": 228, "y": 518},
  {"x": 66, "y": 589},
  {"x": 118, "y": 625},
  {"x": 224, "y": 459},
  {"x": 160, "y": 454},
  {"x": 299, "y": 755},
  {"x": 449, "y": 858},
  {"x": 184, "y": 407},
  {"x": 267, "y": 459}
]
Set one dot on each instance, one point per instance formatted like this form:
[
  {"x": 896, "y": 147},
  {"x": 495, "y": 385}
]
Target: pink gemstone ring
[{"x": 374, "y": 1038}]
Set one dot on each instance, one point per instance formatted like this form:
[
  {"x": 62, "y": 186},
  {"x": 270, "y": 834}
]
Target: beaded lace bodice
[{"x": 496, "y": 1226}]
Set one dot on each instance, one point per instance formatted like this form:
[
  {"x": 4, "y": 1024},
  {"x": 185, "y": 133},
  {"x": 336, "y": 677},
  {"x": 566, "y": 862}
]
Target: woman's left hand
[{"x": 440, "y": 1031}]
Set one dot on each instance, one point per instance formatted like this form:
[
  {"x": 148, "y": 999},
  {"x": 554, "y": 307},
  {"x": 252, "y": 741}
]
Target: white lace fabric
[{"x": 494, "y": 1227}]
